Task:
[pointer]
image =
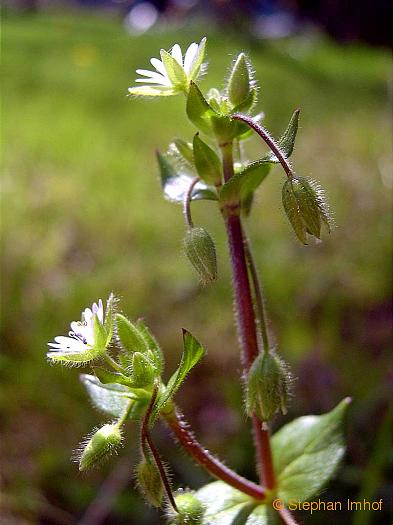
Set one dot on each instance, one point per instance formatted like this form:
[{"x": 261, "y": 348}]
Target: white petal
[
  {"x": 147, "y": 73},
  {"x": 67, "y": 344},
  {"x": 177, "y": 55},
  {"x": 190, "y": 56},
  {"x": 158, "y": 65},
  {"x": 87, "y": 315},
  {"x": 159, "y": 81}
]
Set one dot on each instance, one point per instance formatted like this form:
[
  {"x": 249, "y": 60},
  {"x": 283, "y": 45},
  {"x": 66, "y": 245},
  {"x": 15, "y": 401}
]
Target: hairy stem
[
  {"x": 259, "y": 302},
  {"x": 246, "y": 324},
  {"x": 286, "y": 517},
  {"x": 268, "y": 140},
  {"x": 187, "y": 203},
  {"x": 187, "y": 440},
  {"x": 146, "y": 438}
]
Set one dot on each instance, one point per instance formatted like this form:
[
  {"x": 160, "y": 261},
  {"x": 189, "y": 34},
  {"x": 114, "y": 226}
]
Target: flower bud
[
  {"x": 150, "y": 483},
  {"x": 190, "y": 510},
  {"x": 267, "y": 386},
  {"x": 143, "y": 370},
  {"x": 239, "y": 82},
  {"x": 200, "y": 250},
  {"x": 305, "y": 206},
  {"x": 101, "y": 444}
]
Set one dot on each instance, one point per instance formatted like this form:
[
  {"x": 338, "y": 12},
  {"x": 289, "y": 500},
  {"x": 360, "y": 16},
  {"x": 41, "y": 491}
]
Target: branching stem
[{"x": 176, "y": 422}]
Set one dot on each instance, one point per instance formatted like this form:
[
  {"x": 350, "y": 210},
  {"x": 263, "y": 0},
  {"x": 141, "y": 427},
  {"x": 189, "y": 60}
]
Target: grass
[{"x": 83, "y": 215}]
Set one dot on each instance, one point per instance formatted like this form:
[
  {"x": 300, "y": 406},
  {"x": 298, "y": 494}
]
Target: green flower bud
[
  {"x": 200, "y": 250},
  {"x": 150, "y": 483},
  {"x": 268, "y": 383},
  {"x": 143, "y": 370},
  {"x": 240, "y": 81},
  {"x": 190, "y": 510},
  {"x": 305, "y": 206},
  {"x": 101, "y": 444},
  {"x": 207, "y": 162}
]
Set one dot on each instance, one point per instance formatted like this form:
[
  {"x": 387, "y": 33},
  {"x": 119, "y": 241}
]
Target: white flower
[
  {"x": 87, "y": 339},
  {"x": 172, "y": 73}
]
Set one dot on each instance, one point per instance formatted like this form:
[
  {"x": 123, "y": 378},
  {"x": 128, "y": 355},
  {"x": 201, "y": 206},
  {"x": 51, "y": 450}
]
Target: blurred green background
[{"x": 83, "y": 216}]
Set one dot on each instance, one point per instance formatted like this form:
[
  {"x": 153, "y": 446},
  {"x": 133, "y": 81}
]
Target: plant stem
[
  {"x": 260, "y": 305},
  {"x": 146, "y": 438},
  {"x": 176, "y": 422},
  {"x": 187, "y": 202},
  {"x": 268, "y": 139},
  {"x": 246, "y": 317},
  {"x": 286, "y": 517}
]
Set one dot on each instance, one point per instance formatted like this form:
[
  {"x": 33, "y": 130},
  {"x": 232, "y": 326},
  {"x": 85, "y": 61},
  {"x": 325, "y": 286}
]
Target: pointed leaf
[
  {"x": 185, "y": 150},
  {"x": 207, "y": 162},
  {"x": 307, "y": 452},
  {"x": 243, "y": 183},
  {"x": 176, "y": 183},
  {"x": 198, "y": 110},
  {"x": 192, "y": 353},
  {"x": 287, "y": 141}
]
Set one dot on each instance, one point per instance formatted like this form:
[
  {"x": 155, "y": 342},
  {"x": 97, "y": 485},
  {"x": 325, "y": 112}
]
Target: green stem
[
  {"x": 125, "y": 415},
  {"x": 187, "y": 203}
]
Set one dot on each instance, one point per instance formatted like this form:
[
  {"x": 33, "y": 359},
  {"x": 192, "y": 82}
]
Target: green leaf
[
  {"x": 175, "y": 183},
  {"x": 192, "y": 353},
  {"x": 245, "y": 182},
  {"x": 185, "y": 150},
  {"x": 307, "y": 452},
  {"x": 225, "y": 505},
  {"x": 207, "y": 162},
  {"x": 174, "y": 70},
  {"x": 287, "y": 141},
  {"x": 112, "y": 399},
  {"x": 198, "y": 109},
  {"x": 106, "y": 377}
]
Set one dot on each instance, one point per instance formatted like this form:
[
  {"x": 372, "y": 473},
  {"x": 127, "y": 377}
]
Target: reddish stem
[
  {"x": 186, "y": 438},
  {"x": 246, "y": 324}
]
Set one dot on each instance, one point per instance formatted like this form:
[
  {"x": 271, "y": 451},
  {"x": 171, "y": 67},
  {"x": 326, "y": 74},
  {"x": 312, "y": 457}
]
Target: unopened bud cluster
[
  {"x": 189, "y": 510},
  {"x": 101, "y": 444}
]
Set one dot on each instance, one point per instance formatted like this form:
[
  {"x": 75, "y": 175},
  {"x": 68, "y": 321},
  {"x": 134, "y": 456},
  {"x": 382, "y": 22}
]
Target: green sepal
[
  {"x": 143, "y": 371},
  {"x": 107, "y": 377},
  {"x": 239, "y": 82},
  {"x": 248, "y": 103},
  {"x": 149, "y": 481},
  {"x": 101, "y": 444},
  {"x": 174, "y": 70},
  {"x": 185, "y": 150},
  {"x": 201, "y": 252},
  {"x": 152, "y": 345},
  {"x": 207, "y": 162},
  {"x": 302, "y": 206},
  {"x": 175, "y": 183},
  {"x": 129, "y": 336},
  {"x": 287, "y": 141},
  {"x": 193, "y": 352},
  {"x": 307, "y": 452},
  {"x": 198, "y": 110},
  {"x": 244, "y": 182}
]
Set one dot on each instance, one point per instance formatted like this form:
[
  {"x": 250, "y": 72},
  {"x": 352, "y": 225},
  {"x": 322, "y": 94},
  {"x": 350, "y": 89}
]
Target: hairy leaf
[
  {"x": 287, "y": 141},
  {"x": 243, "y": 183},
  {"x": 307, "y": 452},
  {"x": 198, "y": 109}
]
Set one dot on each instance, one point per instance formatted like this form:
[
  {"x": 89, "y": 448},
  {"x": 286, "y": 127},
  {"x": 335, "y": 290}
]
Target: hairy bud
[
  {"x": 305, "y": 206},
  {"x": 150, "y": 483},
  {"x": 190, "y": 510},
  {"x": 101, "y": 444},
  {"x": 267, "y": 386},
  {"x": 200, "y": 250}
]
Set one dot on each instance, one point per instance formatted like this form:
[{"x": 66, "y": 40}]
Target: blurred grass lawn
[{"x": 84, "y": 215}]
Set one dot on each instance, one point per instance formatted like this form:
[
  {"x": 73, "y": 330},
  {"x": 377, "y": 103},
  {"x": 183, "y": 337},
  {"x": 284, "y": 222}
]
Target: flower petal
[
  {"x": 190, "y": 56},
  {"x": 177, "y": 54},
  {"x": 158, "y": 65}
]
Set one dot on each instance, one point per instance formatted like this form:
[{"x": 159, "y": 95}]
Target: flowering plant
[{"x": 127, "y": 362}]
